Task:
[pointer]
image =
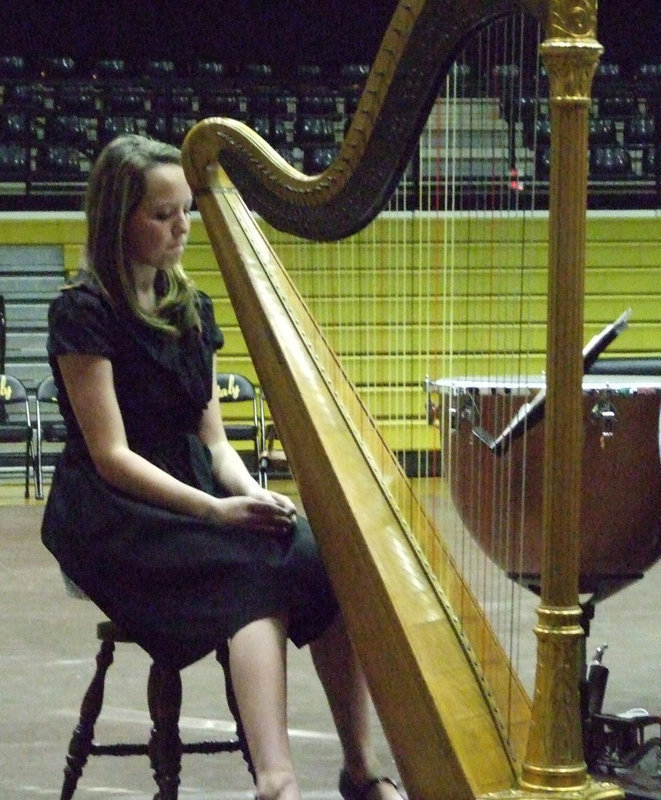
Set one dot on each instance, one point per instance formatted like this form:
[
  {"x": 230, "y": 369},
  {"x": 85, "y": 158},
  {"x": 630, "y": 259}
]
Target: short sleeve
[
  {"x": 209, "y": 326},
  {"x": 79, "y": 322}
]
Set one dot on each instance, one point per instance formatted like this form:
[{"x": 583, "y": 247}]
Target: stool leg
[
  {"x": 164, "y": 696},
  {"x": 83, "y": 734}
]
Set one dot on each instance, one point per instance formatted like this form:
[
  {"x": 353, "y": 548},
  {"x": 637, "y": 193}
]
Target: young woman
[{"x": 151, "y": 511}]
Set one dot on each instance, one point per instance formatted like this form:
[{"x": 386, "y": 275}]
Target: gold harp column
[{"x": 554, "y": 758}]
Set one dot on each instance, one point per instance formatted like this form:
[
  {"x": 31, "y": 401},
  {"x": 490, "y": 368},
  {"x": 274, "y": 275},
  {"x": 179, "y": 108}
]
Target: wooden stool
[{"x": 165, "y": 747}]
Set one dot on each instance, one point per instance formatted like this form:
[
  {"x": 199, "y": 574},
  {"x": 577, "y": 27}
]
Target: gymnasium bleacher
[
  {"x": 57, "y": 113},
  {"x": 31, "y": 277}
]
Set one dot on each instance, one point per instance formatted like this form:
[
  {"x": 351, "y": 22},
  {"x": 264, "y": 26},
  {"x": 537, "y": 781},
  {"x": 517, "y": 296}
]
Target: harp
[{"x": 459, "y": 722}]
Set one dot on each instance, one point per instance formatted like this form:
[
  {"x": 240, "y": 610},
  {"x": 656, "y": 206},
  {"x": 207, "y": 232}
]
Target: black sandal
[{"x": 350, "y": 790}]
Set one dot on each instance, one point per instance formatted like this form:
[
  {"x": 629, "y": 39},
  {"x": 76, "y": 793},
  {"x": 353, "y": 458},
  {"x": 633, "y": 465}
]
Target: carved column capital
[{"x": 571, "y": 65}]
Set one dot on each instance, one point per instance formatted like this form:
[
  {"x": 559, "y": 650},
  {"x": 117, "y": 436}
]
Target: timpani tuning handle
[
  {"x": 604, "y": 414},
  {"x": 526, "y": 417},
  {"x": 531, "y": 413}
]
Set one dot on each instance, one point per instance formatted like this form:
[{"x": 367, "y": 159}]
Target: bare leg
[
  {"x": 348, "y": 696},
  {"x": 259, "y": 678}
]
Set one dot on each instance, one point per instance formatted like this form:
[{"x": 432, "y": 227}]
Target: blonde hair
[{"x": 116, "y": 187}]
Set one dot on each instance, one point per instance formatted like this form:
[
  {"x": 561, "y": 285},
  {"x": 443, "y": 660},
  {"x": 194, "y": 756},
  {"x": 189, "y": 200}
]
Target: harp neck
[{"x": 417, "y": 50}]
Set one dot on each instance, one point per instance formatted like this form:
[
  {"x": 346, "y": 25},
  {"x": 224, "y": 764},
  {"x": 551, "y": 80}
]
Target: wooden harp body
[{"x": 458, "y": 720}]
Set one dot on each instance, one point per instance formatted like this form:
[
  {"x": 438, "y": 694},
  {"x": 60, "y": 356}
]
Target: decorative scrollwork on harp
[{"x": 416, "y": 53}]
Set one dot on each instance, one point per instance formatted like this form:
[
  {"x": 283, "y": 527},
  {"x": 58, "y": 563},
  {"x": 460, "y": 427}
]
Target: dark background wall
[{"x": 279, "y": 32}]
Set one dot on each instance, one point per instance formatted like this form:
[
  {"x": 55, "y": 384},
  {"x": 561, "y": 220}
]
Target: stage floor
[{"x": 47, "y": 648}]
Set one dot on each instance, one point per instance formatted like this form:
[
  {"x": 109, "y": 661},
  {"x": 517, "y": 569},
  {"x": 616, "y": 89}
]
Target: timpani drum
[{"x": 499, "y": 494}]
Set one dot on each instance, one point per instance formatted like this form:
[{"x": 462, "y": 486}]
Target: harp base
[{"x": 590, "y": 790}]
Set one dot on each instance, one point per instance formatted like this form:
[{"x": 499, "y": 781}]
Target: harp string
[
  {"x": 391, "y": 326},
  {"x": 483, "y": 303},
  {"x": 496, "y": 309}
]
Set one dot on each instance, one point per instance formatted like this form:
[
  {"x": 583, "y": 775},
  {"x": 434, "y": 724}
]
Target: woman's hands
[
  {"x": 261, "y": 511},
  {"x": 284, "y": 502}
]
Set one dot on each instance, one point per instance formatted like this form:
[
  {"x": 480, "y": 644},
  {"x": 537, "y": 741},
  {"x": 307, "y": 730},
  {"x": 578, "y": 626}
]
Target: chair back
[
  {"x": 12, "y": 390},
  {"x": 16, "y": 428},
  {"x": 235, "y": 388},
  {"x": 47, "y": 390},
  {"x": 51, "y": 430}
]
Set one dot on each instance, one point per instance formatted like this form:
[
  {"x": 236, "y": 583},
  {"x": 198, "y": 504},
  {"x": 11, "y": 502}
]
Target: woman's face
[{"x": 158, "y": 229}]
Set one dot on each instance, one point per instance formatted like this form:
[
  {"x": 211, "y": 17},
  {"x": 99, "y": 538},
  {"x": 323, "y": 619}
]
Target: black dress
[{"x": 179, "y": 585}]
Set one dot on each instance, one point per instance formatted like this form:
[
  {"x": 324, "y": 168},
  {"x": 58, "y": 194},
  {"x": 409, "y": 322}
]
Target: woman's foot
[
  {"x": 277, "y": 786},
  {"x": 375, "y": 788}
]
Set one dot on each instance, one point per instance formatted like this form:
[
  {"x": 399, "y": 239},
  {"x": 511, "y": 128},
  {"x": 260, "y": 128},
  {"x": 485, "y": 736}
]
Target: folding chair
[
  {"x": 247, "y": 427},
  {"x": 15, "y": 423},
  {"x": 272, "y": 458},
  {"x": 49, "y": 429}
]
